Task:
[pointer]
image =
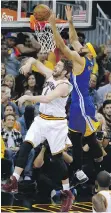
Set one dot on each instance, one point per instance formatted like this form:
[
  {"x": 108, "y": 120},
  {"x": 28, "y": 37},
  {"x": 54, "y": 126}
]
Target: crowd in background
[{"x": 15, "y": 120}]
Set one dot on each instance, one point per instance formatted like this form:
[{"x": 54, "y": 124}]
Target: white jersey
[
  {"x": 56, "y": 107},
  {"x": 107, "y": 195}
]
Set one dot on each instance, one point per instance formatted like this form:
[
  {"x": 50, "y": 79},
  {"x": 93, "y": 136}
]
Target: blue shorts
[{"x": 82, "y": 119}]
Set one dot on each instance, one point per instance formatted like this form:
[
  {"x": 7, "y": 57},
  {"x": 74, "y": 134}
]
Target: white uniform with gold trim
[
  {"x": 107, "y": 195},
  {"x": 51, "y": 124},
  {"x": 56, "y": 107}
]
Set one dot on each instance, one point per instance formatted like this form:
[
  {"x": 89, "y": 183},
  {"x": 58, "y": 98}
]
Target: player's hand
[
  {"x": 21, "y": 100},
  {"x": 68, "y": 10},
  {"x": 26, "y": 68},
  {"x": 52, "y": 19}
]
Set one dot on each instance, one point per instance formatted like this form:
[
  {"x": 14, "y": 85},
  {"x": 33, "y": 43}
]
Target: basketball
[{"x": 41, "y": 12}]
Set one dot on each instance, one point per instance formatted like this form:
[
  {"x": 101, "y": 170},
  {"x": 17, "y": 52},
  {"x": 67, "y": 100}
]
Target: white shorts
[{"x": 54, "y": 131}]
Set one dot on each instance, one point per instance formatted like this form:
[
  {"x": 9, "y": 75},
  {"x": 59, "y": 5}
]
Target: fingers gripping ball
[{"x": 42, "y": 12}]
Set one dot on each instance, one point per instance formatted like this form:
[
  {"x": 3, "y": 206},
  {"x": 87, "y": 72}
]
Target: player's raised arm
[
  {"x": 70, "y": 55},
  {"x": 73, "y": 37},
  {"x": 26, "y": 68}
]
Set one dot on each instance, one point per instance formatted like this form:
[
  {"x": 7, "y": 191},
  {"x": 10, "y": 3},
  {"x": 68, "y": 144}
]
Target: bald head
[{"x": 104, "y": 179}]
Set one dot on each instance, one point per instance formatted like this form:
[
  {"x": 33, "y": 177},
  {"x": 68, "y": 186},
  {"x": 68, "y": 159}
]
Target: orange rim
[{"x": 34, "y": 22}]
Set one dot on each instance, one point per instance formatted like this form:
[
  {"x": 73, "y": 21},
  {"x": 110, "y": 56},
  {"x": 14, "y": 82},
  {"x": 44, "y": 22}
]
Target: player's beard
[{"x": 82, "y": 54}]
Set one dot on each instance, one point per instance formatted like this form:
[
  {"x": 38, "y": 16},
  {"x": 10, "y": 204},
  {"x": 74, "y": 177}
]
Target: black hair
[
  {"x": 104, "y": 179},
  {"x": 13, "y": 39},
  {"x": 80, "y": 34},
  {"x": 83, "y": 54},
  {"x": 29, "y": 115},
  {"x": 9, "y": 105},
  {"x": 67, "y": 65},
  {"x": 21, "y": 38},
  {"x": 36, "y": 87},
  {"x": 30, "y": 75},
  {"x": 106, "y": 102},
  {"x": 99, "y": 52},
  {"x": 97, "y": 49}
]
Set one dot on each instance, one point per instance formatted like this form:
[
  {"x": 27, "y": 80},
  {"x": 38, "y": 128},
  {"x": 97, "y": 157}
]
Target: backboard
[{"x": 15, "y": 14}]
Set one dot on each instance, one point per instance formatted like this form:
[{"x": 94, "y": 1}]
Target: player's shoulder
[
  {"x": 63, "y": 81},
  {"x": 50, "y": 78},
  {"x": 65, "y": 84},
  {"x": 98, "y": 197}
]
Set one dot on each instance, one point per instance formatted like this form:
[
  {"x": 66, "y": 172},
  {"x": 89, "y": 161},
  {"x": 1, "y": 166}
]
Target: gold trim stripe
[{"x": 49, "y": 117}]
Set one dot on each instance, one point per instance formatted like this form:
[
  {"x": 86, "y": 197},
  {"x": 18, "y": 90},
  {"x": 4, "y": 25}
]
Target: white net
[{"x": 45, "y": 37}]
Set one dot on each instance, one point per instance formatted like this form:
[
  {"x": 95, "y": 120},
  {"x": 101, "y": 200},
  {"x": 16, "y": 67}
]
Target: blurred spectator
[
  {"x": 107, "y": 115},
  {"x": 100, "y": 63},
  {"x": 45, "y": 58},
  {"x": 2, "y": 148},
  {"x": 9, "y": 109},
  {"x": 28, "y": 42},
  {"x": 4, "y": 52},
  {"x": 81, "y": 38},
  {"x": 26, "y": 50},
  {"x": 101, "y": 119},
  {"x": 95, "y": 68},
  {"x": 26, "y": 120},
  {"x": 13, "y": 140},
  {"x": 102, "y": 91},
  {"x": 31, "y": 84},
  {"x": 9, "y": 80},
  {"x": 92, "y": 87},
  {"x": 11, "y": 62},
  {"x": 11, "y": 137},
  {"x": 5, "y": 99},
  {"x": 5, "y": 164},
  {"x": 26, "y": 103},
  {"x": 107, "y": 59},
  {"x": 108, "y": 96},
  {"x": 3, "y": 72}
]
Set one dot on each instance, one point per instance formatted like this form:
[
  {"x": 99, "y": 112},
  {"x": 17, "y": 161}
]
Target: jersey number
[{"x": 46, "y": 91}]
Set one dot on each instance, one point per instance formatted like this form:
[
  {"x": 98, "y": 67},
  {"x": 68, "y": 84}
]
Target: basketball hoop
[{"x": 44, "y": 33}]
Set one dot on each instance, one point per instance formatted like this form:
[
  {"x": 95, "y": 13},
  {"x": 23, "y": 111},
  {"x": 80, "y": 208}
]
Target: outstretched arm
[
  {"x": 26, "y": 68},
  {"x": 70, "y": 55},
  {"x": 61, "y": 90},
  {"x": 73, "y": 37}
]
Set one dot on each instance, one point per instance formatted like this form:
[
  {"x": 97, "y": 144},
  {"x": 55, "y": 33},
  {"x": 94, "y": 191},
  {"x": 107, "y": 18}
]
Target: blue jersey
[
  {"x": 81, "y": 82},
  {"x": 82, "y": 110}
]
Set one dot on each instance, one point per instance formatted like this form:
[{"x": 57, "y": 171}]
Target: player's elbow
[
  {"x": 38, "y": 164},
  {"x": 70, "y": 159}
]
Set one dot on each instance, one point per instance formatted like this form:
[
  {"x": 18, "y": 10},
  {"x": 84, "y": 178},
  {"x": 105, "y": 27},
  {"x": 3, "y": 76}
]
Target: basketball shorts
[
  {"x": 54, "y": 131},
  {"x": 82, "y": 119}
]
